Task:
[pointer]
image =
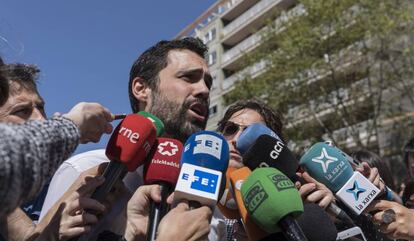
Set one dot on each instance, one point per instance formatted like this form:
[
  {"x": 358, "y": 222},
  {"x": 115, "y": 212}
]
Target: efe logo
[
  {"x": 202, "y": 181},
  {"x": 208, "y": 144},
  {"x": 132, "y": 136}
]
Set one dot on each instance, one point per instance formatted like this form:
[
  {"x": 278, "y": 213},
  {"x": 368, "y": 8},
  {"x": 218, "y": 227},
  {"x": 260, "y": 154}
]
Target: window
[
  {"x": 212, "y": 58},
  {"x": 210, "y": 36},
  {"x": 212, "y": 111}
]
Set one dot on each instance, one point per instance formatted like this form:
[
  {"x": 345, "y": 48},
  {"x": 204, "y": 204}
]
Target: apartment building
[{"x": 230, "y": 29}]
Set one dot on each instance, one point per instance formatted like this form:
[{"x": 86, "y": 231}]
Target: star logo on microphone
[
  {"x": 167, "y": 148},
  {"x": 356, "y": 190},
  {"x": 324, "y": 159}
]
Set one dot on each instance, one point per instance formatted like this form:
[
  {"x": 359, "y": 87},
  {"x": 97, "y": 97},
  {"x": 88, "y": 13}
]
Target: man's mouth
[{"x": 199, "y": 111}]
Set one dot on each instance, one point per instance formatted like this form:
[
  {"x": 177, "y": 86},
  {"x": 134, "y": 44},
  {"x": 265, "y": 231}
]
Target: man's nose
[
  {"x": 37, "y": 115},
  {"x": 201, "y": 90}
]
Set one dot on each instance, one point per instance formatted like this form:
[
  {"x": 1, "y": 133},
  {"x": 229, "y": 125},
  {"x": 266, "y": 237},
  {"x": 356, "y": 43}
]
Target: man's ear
[{"x": 140, "y": 90}]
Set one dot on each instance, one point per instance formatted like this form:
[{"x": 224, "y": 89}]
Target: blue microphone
[
  {"x": 203, "y": 164},
  {"x": 250, "y": 135}
]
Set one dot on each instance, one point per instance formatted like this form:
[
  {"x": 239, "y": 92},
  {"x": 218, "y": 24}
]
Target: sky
[{"x": 85, "y": 48}]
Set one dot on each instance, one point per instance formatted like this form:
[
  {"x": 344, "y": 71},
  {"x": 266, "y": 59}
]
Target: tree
[{"x": 338, "y": 69}]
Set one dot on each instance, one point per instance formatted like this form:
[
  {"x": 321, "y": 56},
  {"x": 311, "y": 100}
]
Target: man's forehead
[{"x": 184, "y": 58}]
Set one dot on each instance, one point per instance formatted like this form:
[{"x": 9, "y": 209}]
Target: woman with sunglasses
[{"x": 239, "y": 116}]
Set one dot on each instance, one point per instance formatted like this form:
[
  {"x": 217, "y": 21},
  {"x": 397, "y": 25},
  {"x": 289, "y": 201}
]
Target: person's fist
[{"x": 92, "y": 120}]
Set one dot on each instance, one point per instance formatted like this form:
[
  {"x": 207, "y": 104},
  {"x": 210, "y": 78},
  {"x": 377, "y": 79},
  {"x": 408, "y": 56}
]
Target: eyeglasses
[{"x": 231, "y": 128}]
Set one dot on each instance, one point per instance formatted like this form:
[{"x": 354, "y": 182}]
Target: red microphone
[
  {"x": 127, "y": 149},
  {"x": 163, "y": 169}
]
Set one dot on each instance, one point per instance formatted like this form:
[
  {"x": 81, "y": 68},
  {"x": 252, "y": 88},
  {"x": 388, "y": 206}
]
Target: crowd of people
[{"x": 46, "y": 192}]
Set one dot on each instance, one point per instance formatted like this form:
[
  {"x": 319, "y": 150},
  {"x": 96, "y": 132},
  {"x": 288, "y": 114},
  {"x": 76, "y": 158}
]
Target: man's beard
[{"x": 174, "y": 116}]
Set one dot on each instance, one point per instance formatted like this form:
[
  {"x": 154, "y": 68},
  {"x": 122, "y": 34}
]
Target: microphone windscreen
[
  {"x": 316, "y": 224},
  {"x": 207, "y": 149},
  {"x": 250, "y": 134},
  {"x": 328, "y": 165},
  {"x": 131, "y": 141},
  {"x": 269, "y": 196},
  {"x": 227, "y": 204},
  {"x": 270, "y": 152},
  {"x": 164, "y": 165},
  {"x": 237, "y": 178},
  {"x": 159, "y": 125}
]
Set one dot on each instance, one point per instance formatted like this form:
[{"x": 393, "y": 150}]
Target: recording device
[
  {"x": 273, "y": 202},
  {"x": 203, "y": 163},
  {"x": 316, "y": 224},
  {"x": 330, "y": 166},
  {"x": 267, "y": 151},
  {"x": 237, "y": 177},
  {"x": 250, "y": 135},
  {"x": 163, "y": 169},
  {"x": 128, "y": 147},
  {"x": 354, "y": 232},
  {"x": 227, "y": 204}
]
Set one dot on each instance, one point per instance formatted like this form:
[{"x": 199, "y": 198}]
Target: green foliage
[{"x": 345, "y": 56}]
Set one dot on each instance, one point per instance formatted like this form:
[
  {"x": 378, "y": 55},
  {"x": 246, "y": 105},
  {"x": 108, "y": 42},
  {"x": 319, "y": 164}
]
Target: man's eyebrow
[{"x": 207, "y": 76}]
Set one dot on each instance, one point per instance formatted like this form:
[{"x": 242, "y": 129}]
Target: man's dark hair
[
  {"x": 270, "y": 117},
  {"x": 154, "y": 59},
  {"x": 25, "y": 74}
]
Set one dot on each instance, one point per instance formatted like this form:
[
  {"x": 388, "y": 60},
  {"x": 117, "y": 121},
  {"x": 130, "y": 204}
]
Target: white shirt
[{"x": 70, "y": 170}]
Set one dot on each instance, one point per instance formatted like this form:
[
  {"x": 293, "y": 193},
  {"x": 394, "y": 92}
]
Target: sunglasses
[{"x": 231, "y": 128}]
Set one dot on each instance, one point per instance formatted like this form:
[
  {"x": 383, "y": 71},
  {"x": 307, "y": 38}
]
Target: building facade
[{"x": 231, "y": 28}]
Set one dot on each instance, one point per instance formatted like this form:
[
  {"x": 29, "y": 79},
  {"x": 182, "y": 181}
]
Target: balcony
[
  {"x": 229, "y": 59},
  {"x": 238, "y": 8},
  {"x": 252, "y": 20},
  {"x": 253, "y": 71}
]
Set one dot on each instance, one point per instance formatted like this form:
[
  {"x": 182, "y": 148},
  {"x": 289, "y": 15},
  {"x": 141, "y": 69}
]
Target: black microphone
[{"x": 316, "y": 224}]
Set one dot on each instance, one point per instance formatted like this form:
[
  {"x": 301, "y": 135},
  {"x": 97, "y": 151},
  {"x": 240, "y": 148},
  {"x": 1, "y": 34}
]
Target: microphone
[
  {"x": 163, "y": 169},
  {"x": 315, "y": 218},
  {"x": 203, "y": 162},
  {"x": 273, "y": 202},
  {"x": 159, "y": 125},
  {"x": 237, "y": 177},
  {"x": 128, "y": 147},
  {"x": 250, "y": 134},
  {"x": 267, "y": 151},
  {"x": 227, "y": 204},
  {"x": 330, "y": 166}
]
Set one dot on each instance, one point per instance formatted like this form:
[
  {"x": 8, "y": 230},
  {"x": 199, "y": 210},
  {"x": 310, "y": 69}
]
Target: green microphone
[
  {"x": 273, "y": 202},
  {"x": 157, "y": 122}
]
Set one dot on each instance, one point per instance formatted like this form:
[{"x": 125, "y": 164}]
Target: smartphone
[{"x": 354, "y": 233}]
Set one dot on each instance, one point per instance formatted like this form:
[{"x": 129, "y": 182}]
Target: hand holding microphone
[
  {"x": 183, "y": 223},
  {"x": 179, "y": 224},
  {"x": 314, "y": 191},
  {"x": 92, "y": 120},
  {"x": 394, "y": 220}
]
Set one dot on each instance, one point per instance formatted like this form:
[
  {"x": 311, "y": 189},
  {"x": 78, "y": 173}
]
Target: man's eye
[{"x": 21, "y": 112}]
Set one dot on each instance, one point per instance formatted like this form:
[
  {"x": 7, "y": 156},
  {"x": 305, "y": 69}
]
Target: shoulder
[{"x": 83, "y": 161}]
